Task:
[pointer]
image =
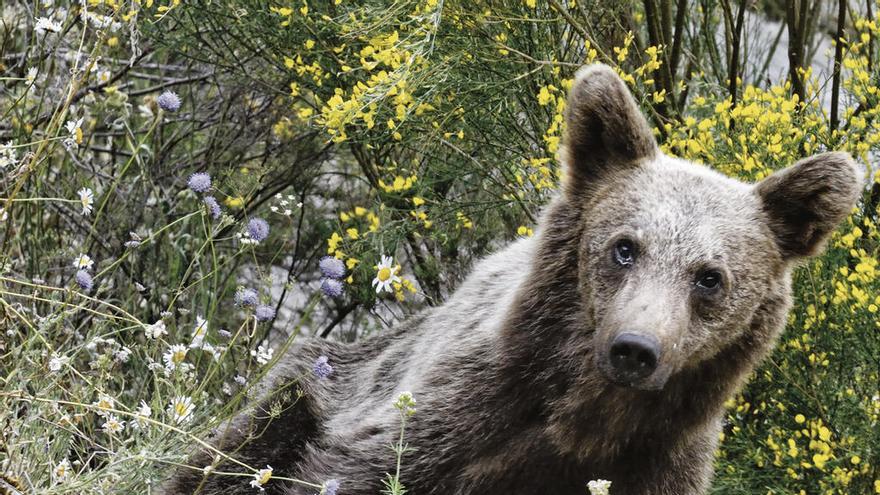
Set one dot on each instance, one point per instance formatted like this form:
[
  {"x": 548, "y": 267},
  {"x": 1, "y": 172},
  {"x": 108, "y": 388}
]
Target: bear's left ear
[
  {"x": 606, "y": 132},
  {"x": 804, "y": 203}
]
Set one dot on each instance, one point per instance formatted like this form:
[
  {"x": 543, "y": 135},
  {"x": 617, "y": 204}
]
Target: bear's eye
[
  {"x": 624, "y": 252},
  {"x": 709, "y": 280}
]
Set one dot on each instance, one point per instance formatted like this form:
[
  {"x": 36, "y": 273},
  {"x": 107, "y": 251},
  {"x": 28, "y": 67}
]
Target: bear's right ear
[
  {"x": 805, "y": 202},
  {"x": 605, "y": 130}
]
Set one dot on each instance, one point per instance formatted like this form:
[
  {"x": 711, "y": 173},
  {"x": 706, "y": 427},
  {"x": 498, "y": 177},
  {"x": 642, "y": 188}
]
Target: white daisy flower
[
  {"x": 174, "y": 356},
  {"x": 45, "y": 24},
  {"x": 104, "y": 404},
  {"x": 103, "y": 22},
  {"x": 199, "y": 332},
  {"x": 386, "y": 275},
  {"x": 31, "y": 75},
  {"x": 144, "y": 411},
  {"x": 86, "y": 199},
  {"x": 113, "y": 424},
  {"x": 215, "y": 351},
  {"x": 262, "y": 477},
  {"x": 57, "y": 362},
  {"x": 8, "y": 155},
  {"x": 156, "y": 330},
  {"x": 599, "y": 487},
  {"x": 181, "y": 408},
  {"x": 83, "y": 262},
  {"x": 62, "y": 471},
  {"x": 75, "y": 133}
]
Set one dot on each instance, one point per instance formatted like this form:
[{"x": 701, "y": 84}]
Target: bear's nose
[{"x": 634, "y": 356}]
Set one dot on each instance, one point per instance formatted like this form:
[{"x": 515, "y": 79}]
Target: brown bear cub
[{"x": 601, "y": 348}]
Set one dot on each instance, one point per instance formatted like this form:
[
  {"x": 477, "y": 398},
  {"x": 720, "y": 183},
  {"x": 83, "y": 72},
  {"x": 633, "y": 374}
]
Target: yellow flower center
[
  {"x": 178, "y": 357},
  {"x": 180, "y": 408},
  {"x": 384, "y": 274}
]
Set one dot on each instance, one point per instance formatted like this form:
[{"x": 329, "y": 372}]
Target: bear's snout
[{"x": 634, "y": 357}]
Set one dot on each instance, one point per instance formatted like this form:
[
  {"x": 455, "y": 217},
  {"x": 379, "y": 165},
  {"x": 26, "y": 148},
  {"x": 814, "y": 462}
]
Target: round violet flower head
[
  {"x": 264, "y": 312},
  {"x": 199, "y": 182},
  {"x": 332, "y": 267},
  {"x": 322, "y": 368},
  {"x": 330, "y": 487},
  {"x": 84, "y": 280},
  {"x": 246, "y": 297},
  {"x": 168, "y": 101},
  {"x": 213, "y": 206},
  {"x": 332, "y": 287},
  {"x": 258, "y": 229}
]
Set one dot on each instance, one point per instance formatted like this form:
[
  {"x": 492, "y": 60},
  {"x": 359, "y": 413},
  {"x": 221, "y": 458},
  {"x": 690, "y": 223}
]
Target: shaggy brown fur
[{"x": 516, "y": 387}]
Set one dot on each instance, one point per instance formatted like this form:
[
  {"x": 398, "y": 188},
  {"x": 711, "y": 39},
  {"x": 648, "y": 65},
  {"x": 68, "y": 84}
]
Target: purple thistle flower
[
  {"x": 332, "y": 267},
  {"x": 264, "y": 312},
  {"x": 332, "y": 287},
  {"x": 330, "y": 487},
  {"x": 246, "y": 297},
  {"x": 258, "y": 229},
  {"x": 322, "y": 370},
  {"x": 199, "y": 182},
  {"x": 168, "y": 101},
  {"x": 84, "y": 280},
  {"x": 213, "y": 206}
]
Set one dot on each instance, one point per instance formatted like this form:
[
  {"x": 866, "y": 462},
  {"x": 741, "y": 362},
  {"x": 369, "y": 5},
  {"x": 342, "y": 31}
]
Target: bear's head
[{"x": 675, "y": 260}]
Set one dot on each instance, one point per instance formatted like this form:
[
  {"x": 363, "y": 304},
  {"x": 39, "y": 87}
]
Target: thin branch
[
  {"x": 838, "y": 58},
  {"x": 338, "y": 319},
  {"x": 580, "y": 29},
  {"x": 733, "y": 73},
  {"x": 795, "y": 47},
  {"x": 678, "y": 37}
]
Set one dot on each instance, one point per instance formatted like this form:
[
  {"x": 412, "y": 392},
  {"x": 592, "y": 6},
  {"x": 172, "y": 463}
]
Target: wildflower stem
[
  {"x": 148, "y": 239},
  {"x": 134, "y": 155},
  {"x": 400, "y": 447},
  {"x": 23, "y": 397},
  {"x": 69, "y": 305},
  {"x": 128, "y": 316},
  {"x": 34, "y": 200},
  {"x": 54, "y": 124}
]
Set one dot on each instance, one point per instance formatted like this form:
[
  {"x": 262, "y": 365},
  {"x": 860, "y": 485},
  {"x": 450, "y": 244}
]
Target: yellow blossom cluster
[
  {"x": 401, "y": 288},
  {"x": 463, "y": 220},
  {"x": 399, "y": 184}
]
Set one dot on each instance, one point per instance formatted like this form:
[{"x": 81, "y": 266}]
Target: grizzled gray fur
[{"x": 601, "y": 348}]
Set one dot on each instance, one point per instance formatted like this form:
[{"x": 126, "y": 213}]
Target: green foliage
[{"x": 406, "y": 405}]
